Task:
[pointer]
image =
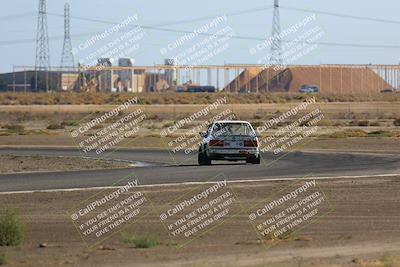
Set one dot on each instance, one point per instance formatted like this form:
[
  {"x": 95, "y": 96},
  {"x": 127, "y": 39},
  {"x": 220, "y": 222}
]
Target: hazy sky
[{"x": 18, "y": 21}]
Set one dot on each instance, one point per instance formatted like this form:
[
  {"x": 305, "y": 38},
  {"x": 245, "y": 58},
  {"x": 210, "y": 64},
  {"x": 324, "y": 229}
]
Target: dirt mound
[{"x": 348, "y": 80}]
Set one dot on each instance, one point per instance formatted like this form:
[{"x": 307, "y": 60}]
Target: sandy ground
[
  {"x": 15, "y": 164},
  {"x": 361, "y": 229}
]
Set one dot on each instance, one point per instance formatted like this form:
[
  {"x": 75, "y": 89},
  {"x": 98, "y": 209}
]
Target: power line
[
  {"x": 177, "y": 22},
  {"x": 157, "y": 28},
  {"x": 60, "y": 37},
  {"x": 17, "y": 16},
  {"x": 231, "y": 14},
  {"x": 245, "y": 37},
  {"x": 154, "y": 27},
  {"x": 342, "y": 15}
]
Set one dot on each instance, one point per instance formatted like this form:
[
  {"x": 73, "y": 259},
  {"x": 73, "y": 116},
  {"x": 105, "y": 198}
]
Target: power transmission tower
[
  {"x": 67, "y": 58},
  {"x": 276, "y": 46},
  {"x": 42, "y": 61}
]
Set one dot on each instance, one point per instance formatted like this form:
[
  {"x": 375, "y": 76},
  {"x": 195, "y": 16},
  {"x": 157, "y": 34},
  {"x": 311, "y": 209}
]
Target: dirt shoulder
[
  {"x": 361, "y": 229},
  {"x": 15, "y": 164},
  {"x": 356, "y": 144}
]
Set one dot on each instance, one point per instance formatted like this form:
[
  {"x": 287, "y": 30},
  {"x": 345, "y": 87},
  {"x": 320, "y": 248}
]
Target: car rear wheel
[
  {"x": 256, "y": 160},
  {"x": 203, "y": 159}
]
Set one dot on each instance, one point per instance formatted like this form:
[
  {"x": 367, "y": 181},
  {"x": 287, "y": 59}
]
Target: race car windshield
[{"x": 226, "y": 129}]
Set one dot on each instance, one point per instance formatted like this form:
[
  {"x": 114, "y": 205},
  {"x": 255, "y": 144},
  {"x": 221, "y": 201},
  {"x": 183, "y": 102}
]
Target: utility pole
[
  {"x": 67, "y": 58},
  {"x": 276, "y": 46},
  {"x": 42, "y": 61}
]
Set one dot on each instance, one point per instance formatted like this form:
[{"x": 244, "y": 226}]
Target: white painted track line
[{"x": 199, "y": 183}]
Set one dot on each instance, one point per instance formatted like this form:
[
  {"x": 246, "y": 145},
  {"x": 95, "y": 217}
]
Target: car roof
[{"x": 232, "y": 122}]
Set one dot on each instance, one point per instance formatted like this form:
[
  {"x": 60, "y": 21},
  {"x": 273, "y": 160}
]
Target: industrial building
[{"x": 36, "y": 81}]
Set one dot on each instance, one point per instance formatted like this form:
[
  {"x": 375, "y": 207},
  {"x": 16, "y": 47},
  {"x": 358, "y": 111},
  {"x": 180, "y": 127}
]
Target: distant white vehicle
[
  {"x": 229, "y": 140},
  {"x": 309, "y": 89}
]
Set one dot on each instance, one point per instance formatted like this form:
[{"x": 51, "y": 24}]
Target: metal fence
[{"x": 341, "y": 79}]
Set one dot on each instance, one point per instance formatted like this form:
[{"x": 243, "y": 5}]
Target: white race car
[{"x": 229, "y": 140}]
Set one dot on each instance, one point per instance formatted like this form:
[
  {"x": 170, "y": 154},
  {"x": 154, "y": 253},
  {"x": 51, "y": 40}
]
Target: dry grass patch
[{"x": 55, "y": 98}]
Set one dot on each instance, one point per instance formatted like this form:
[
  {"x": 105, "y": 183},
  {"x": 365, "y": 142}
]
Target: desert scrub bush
[
  {"x": 380, "y": 134},
  {"x": 363, "y": 123},
  {"x": 153, "y": 117},
  {"x": 12, "y": 230},
  {"x": 386, "y": 261},
  {"x": 55, "y": 127},
  {"x": 140, "y": 240},
  {"x": 154, "y": 126},
  {"x": 14, "y": 127},
  {"x": 338, "y": 123},
  {"x": 4, "y": 258},
  {"x": 179, "y": 98},
  {"x": 349, "y": 133},
  {"x": 326, "y": 123},
  {"x": 257, "y": 124},
  {"x": 354, "y": 123},
  {"x": 70, "y": 123},
  {"x": 168, "y": 124},
  {"x": 257, "y": 116},
  {"x": 375, "y": 124}
]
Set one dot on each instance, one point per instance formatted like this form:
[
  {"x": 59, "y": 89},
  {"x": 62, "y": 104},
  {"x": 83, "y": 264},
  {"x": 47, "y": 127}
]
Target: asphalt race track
[{"x": 159, "y": 167}]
